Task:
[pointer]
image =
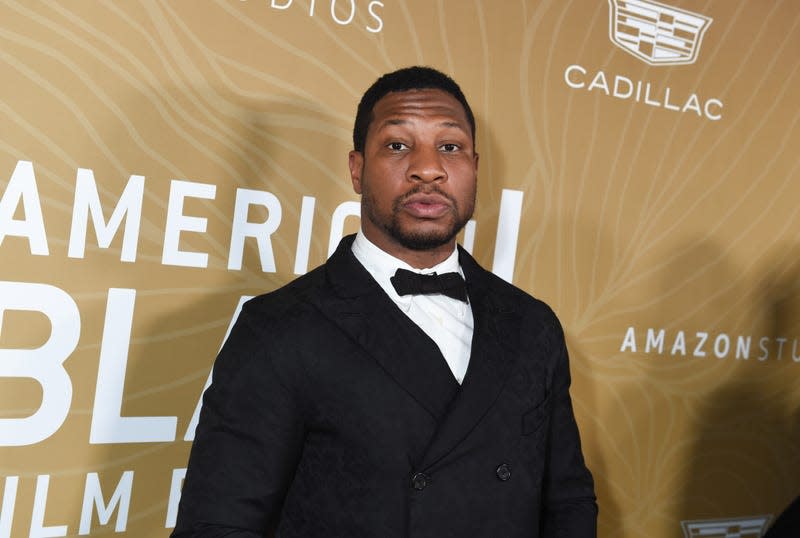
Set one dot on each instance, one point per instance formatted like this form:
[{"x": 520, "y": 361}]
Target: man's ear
[{"x": 356, "y": 163}]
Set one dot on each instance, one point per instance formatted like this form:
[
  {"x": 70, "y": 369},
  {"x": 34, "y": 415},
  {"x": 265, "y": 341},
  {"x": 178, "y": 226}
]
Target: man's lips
[{"x": 426, "y": 206}]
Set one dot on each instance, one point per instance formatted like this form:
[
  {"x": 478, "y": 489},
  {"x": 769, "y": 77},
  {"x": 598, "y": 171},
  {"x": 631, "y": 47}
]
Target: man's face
[{"x": 417, "y": 175}]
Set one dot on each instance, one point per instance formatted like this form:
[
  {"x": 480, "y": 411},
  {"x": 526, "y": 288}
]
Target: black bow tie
[{"x": 410, "y": 283}]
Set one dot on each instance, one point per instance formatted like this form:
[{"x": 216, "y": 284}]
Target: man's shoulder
[
  {"x": 511, "y": 297},
  {"x": 538, "y": 323},
  {"x": 291, "y": 299},
  {"x": 531, "y": 307},
  {"x": 533, "y": 320}
]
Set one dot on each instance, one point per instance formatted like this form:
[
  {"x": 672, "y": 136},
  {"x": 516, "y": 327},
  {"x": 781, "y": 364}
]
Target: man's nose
[{"x": 426, "y": 166}]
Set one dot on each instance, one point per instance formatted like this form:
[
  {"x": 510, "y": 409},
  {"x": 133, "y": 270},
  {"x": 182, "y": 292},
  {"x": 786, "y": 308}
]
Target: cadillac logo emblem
[
  {"x": 656, "y": 33},
  {"x": 740, "y": 527}
]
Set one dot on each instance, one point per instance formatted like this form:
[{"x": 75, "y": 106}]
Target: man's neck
[{"x": 418, "y": 259}]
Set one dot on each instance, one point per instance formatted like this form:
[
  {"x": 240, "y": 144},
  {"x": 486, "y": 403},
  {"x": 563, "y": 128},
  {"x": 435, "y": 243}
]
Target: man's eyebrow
[
  {"x": 400, "y": 121},
  {"x": 455, "y": 124},
  {"x": 394, "y": 121}
]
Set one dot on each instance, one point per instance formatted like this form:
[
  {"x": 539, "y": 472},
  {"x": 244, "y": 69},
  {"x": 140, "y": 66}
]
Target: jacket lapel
[
  {"x": 362, "y": 310},
  {"x": 494, "y": 350}
]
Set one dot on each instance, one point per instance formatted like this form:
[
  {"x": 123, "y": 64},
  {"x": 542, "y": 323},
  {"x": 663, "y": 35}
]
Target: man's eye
[
  {"x": 397, "y": 146},
  {"x": 449, "y": 148}
]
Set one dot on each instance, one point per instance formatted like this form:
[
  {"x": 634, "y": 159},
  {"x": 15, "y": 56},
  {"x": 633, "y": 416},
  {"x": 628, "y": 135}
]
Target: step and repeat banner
[{"x": 162, "y": 161}]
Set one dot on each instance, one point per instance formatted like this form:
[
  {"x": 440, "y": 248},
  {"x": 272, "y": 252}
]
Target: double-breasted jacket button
[
  {"x": 420, "y": 481},
  {"x": 503, "y": 472}
]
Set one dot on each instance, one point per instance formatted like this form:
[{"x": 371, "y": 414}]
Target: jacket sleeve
[
  {"x": 570, "y": 507},
  {"x": 247, "y": 444}
]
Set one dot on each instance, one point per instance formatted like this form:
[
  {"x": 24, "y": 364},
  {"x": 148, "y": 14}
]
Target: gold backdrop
[{"x": 639, "y": 171}]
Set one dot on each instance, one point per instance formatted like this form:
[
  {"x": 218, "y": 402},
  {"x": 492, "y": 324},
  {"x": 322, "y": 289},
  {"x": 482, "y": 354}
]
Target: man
[{"x": 362, "y": 400}]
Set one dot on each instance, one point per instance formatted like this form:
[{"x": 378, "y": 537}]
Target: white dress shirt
[{"x": 447, "y": 321}]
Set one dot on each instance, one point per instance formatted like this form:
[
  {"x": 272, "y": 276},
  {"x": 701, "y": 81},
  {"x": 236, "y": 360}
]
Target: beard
[{"x": 420, "y": 238}]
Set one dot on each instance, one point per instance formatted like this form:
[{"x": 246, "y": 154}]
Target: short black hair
[{"x": 408, "y": 78}]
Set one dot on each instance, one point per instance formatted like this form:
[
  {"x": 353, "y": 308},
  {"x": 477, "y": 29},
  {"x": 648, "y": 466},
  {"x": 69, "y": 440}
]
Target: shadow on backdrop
[
  {"x": 744, "y": 461},
  {"x": 181, "y": 313}
]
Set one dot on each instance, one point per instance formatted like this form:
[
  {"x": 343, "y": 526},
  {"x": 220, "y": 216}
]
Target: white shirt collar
[{"x": 382, "y": 266}]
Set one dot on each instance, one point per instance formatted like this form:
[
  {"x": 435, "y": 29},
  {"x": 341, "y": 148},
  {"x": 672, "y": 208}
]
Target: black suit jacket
[{"x": 332, "y": 415}]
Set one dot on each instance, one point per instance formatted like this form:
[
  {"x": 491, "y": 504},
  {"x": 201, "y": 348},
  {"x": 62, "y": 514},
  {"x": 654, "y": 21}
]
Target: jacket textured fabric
[{"x": 332, "y": 415}]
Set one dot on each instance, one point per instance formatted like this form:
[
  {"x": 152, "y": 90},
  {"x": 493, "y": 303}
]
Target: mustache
[{"x": 424, "y": 189}]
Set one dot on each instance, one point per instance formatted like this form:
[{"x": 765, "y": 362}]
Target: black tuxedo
[{"x": 332, "y": 415}]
